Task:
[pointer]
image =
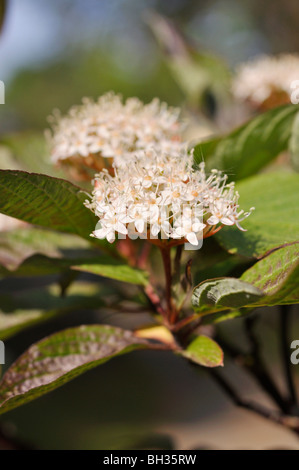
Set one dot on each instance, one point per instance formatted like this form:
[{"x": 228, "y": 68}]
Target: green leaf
[
  {"x": 275, "y": 220},
  {"x": 252, "y": 146},
  {"x": 114, "y": 270},
  {"x": 277, "y": 275},
  {"x": 46, "y": 201},
  {"x": 61, "y": 357},
  {"x": 223, "y": 293},
  {"x": 204, "y": 351},
  {"x": 272, "y": 281}
]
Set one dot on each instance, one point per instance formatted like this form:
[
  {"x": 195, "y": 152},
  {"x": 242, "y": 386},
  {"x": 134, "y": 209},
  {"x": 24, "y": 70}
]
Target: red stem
[{"x": 171, "y": 311}]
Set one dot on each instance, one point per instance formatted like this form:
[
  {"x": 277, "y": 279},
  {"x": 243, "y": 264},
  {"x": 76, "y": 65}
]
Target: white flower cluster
[
  {"x": 161, "y": 196},
  {"x": 265, "y": 77},
  {"x": 109, "y": 128}
]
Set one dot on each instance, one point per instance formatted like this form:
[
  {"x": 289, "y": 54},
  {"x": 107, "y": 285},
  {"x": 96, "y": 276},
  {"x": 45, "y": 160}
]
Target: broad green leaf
[
  {"x": 275, "y": 220},
  {"x": 60, "y": 358},
  {"x": 204, "y": 351},
  {"x": 277, "y": 275},
  {"x": 46, "y": 201},
  {"x": 38, "y": 265},
  {"x": 223, "y": 293},
  {"x": 272, "y": 281},
  {"x": 252, "y": 146}
]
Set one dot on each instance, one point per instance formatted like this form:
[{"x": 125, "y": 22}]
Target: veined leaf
[
  {"x": 275, "y": 220},
  {"x": 46, "y": 201},
  {"x": 277, "y": 275},
  {"x": 252, "y": 146},
  {"x": 60, "y": 358},
  {"x": 274, "y": 280},
  {"x": 223, "y": 293},
  {"x": 204, "y": 351}
]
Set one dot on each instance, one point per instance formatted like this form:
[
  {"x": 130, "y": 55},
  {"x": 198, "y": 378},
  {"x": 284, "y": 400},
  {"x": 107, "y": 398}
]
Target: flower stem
[{"x": 171, "y": 311}]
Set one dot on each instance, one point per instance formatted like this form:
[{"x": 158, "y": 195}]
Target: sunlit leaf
[
  {"x": 204, "y": 351},
  {"x": 277, "y": 275},
  {"x": 46, "y": 201},
  {"x": 275, "y": 220},
  {"x": 252, "y": 146}
]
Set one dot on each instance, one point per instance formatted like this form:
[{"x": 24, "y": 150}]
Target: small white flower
[
  {"x": 179, "y": 203},
  {"x": 266, "y": 78},
  {"x": 111, "y": 223},
  {"x": 111, "y": 128}
]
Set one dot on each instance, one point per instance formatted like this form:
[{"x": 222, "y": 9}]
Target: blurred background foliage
[{"x": 51, "y": 55}]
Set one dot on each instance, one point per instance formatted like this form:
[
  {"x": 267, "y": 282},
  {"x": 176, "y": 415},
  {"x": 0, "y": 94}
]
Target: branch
[
  {"x": 292, "y": 423},
  {"x": 154, "y": 300},
  {"x": 254, "y": 364},
  {"x": 259, "y": 369}
]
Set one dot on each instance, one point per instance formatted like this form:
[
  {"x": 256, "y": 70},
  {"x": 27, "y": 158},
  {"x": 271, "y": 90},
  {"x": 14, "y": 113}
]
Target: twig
[
  {"x": 154, "y": 300},
  {"x": 290, "y": 422},
  {"x": 177, "y": 262},
  {"x": 259, "y": 369},
  {"x": 142, "y": 261},
  {"x": 254, "y": 364}
]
